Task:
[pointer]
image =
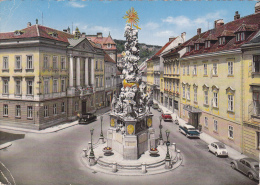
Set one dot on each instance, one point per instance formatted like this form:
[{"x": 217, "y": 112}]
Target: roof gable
[{"x": 81, "y": 44}]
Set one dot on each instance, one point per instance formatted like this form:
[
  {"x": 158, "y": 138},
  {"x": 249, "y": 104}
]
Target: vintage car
[
  {"x": 87, "y": 118},
  {"x": 189, "y": 131},
  {"x": 166, "y": 116},
  {"x": 248, "y": 166},
  {"x": 155, "y": 106},
  {"x": 218, "y": 149}
]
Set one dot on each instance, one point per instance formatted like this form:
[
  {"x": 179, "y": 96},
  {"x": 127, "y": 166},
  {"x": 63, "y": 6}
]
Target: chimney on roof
[
  {"x": 237, "y": 16},
  {"x": 83, "y": 35},
  {"x": 99, "y": 35},
  {"x": 219, "y": 23},
  {"x": 183, "y": 36},
  {"x": 198, "y": 31},
  {"x": 257, "y": 7},
  {"x": 68, "y": 30},
  {"x": 29, "y": 24},
  {"x": 36, "y": 21}
]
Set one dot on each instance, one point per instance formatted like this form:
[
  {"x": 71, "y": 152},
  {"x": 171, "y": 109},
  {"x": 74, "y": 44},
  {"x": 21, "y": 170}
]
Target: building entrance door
[
  {"x": 83, "y": 107},
  {"x": 194, "y": 119}
]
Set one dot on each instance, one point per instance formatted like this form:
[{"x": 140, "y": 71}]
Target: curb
[{"x": 5, "y": 145}]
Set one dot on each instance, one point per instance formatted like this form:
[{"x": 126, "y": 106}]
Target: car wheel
[
  {"x": 250, "y": 176},
  {"x": 208, "y": 149},
  {"x": 216, "y": 154},
  {"x": 233, "y": 166}
]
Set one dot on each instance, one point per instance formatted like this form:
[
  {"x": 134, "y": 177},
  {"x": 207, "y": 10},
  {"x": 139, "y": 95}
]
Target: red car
[{"x": 166, "y": 115}]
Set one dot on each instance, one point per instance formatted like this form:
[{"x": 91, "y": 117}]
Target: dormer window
[
  {"x": 221, "y": 41},
  {"x": 197, "y": 46},
  {"x": 207, "y": 44},
  {"x": 18, "y": 32},
  {"x": 108, "y": 45},
  {"x": 53, "y": 34},
  {"x": 189, "y": 49}
]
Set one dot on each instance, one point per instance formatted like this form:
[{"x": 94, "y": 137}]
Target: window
[
  {"x": 230, "y": 103},
  {"x": 76, "y": 106},
  {"x": 258, "y": 140},
  {"x": 205, "y": 69},
  {"x": 96, "y": 81},
  {"x": 238, "y": 37},
  {"x": 45, "y": 62},
  {"x": 108, "y": 45},
  {"x": 195, "y": 70},
  {"x": 29, "y": 62},
  {"x": 18, "y": 87},
  {"x": 63, "y": 85},
  {"x": 29, "y": 87},
  {"x": 215, "y": 69},
  {"x": 173, "y": 86},
  {"x": 188, "y": 93},
  {"x": 256, "y": 102},
  {"x": 46, "y": 86},
  {"x": 230, "y": 68},
  {"x": 206, "y": 121},
  {"x": 183, "y": 91},
  {"x": 195, "y": 94},
  {"x": 18, "y": 62},
  {"x": 63, "y": 62},
  {"x": 63, "y": 107},
  {"x": 101, "y": 82},
  {"x": 6, "y": 87},
  {"x": 188, "y": 69},
  {"x": 230, "y": 132},
  {"x": 207, "y": 44},
  {"x": 46, "y": 111},
  {"x": 215, "y": 125},
  {"x": 55, "y": 109},
  {"x": 206, "y": 101},
  {"x": 256, "y": 64},
  {"x": 221, "y": 41},
  {"x": 18, "y": 111},
  {"x": 5, "y": 63},
  {"x": 197, "y": 46},
  {"x": 215, "y": 99},
  {"x": 55, "y": 62},
  {"x": 183, "y": 69},
  {"x": 5, "y": 110},
  {"x": 177, "y": 84},
  {"x": 55, "y": 86},
  {"x": 101, "y": 65},
  {"x": 29, "y": 112},
  {"x": 96, "y": 65},
  {"x": 242, "y": 36}
]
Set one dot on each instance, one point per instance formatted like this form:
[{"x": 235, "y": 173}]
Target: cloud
[
  {"x": 164, "y": 33},
  {"x": 76, "y": 4},
  {"x": 151, "y": 25}
]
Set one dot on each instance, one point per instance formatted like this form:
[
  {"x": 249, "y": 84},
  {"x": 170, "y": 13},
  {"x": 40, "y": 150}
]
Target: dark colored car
[
  {"x": 189, "y": 131},
  {"x": 155, "y": 106},
  {"x": 150, "y": 103},
  {"x": 87, "y": 118},
  {"x": 248, "y": 166}
]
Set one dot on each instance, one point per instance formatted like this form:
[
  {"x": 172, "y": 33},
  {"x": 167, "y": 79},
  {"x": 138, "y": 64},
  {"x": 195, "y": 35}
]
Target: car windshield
[
  {"x": 256, "y": 167},
  {"x": 191, "y": 128},
  {"x": 167, "y": 114},
  {"x": 221, "y": 146}
]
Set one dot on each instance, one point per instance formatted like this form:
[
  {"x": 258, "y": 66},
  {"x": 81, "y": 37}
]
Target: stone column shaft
[
  {"x": 78, "y": 73},
  {"x": 92, "y": 72},
  {"x": 86, "y": 71},
  {"x": 71, "y": 72}
]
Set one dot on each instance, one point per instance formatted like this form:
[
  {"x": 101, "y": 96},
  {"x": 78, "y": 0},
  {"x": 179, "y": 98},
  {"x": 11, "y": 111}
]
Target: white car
[{"x": 218, "y": 149}]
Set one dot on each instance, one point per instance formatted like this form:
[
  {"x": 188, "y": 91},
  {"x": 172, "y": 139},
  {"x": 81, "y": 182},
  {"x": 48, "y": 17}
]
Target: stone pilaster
[
  {"x": 71, "y": 72},
  {"x": 86, "y": 72},
  {"x": 78, "y": 73}
]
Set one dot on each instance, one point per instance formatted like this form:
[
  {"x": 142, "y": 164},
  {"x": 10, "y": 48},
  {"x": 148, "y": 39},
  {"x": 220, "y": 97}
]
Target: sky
[{"x": 159, "y": 20}]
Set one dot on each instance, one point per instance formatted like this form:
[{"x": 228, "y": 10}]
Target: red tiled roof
[
  {"x": 38, "y": 31},
  {"x": 103, "y": 41},
  {"x": 244, "y": 27},
  {"x": 108, "y": 58},
  {"x": 227, "y": 29}
]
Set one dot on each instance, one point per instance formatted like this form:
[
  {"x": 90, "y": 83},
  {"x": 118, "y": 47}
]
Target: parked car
[
  {"x": 166, "y": 115},
  {"x": 150, "y": 103},
  {"x": 87, "y": 118},
  {"x": 189, "y": 131},
  {"x": 218, "y": 149},
  {"x": 248, "y": 166},
  {"x": 159, "y": 109},
  {"x": 155, "y": 106}
]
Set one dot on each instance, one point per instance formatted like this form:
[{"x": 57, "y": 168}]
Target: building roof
[
  {"x": 229, "y": 29},
  {"x": 103, "y": 41},
  {"x": 38, "y": 31},
  {"x": 107, "y": 58}
]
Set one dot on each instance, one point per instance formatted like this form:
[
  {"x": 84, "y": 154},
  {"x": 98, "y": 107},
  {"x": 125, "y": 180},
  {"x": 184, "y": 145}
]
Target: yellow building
[
  {"x": 251, "y": 100},
  {"x": 46, "y": 76},
  {"x": 150, "y": 77},
  {"x": 212, "y": 79}
]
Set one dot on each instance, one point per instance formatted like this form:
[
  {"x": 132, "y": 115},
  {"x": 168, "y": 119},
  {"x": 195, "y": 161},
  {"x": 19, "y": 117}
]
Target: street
[{"x": 54, "y": 158}]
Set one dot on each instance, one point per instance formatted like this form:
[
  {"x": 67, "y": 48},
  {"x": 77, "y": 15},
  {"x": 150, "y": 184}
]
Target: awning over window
[{"x": 191, "y": 109}]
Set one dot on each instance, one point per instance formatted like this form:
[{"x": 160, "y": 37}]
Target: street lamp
[
  {"x": 91, "y": 154},
  {"x": 101, "y": 133},
  {"x": 160, "y": 127},
  {"x": 167, "y": 144}
]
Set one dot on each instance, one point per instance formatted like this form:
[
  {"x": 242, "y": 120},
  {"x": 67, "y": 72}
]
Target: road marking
[{"x": 9, "y": 172}]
